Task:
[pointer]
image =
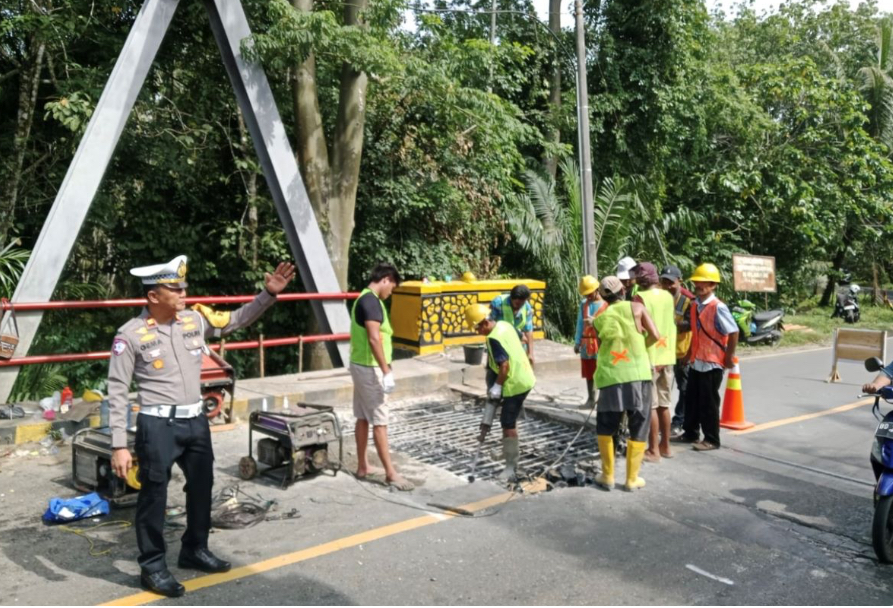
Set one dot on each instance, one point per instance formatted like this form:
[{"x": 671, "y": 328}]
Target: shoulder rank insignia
[{"x": 218, "y": 319}]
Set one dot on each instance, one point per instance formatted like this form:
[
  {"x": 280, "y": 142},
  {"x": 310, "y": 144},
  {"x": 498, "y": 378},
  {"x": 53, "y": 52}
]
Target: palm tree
[
  {"x": 12, "y": 263},
  {"x": 548, "y": 227},
  {"x": 877, "y": 86}
]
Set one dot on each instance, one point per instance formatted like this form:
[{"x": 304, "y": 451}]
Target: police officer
[{"x": 162, "y": 350}]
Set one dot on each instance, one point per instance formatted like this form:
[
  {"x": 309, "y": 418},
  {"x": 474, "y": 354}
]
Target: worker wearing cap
[
  {"x": 662, "y": 354},
  {"x": 626, "y": 275},
  {"x": 623, "y": 377},
  {"x": 162, "y": 350},
  {"x": 515, "y": 308},
  {"x": 671, "y": 280},
  {"x": 712, "y": 351},
  {"x": 585, "y": 343},
  {"x": 510, "y": 378}
]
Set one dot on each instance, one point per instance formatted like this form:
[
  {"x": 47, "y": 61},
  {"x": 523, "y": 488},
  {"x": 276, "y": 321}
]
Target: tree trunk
[
  {"x": 831, "y": 287},
  {"x": 331, "y": 179},
  {"x": 312, "y": 151},
  {"x": 347, "y": 153},
  {"x": 28, "y": 86},
  {"x": 550, "y": 162}
]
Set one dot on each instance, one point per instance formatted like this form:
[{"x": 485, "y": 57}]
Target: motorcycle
[
  {"x": 758, "y": 327},
  {"x": 882, "y": 464},
  {"x": 847, "y": 305}
]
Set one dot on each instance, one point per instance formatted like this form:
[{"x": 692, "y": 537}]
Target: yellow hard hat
[
  {"x": 588, "y": 284},
  {"x": 468, "y": 276},
  {"x": 475, "y": 313},
  {"x": 133, "y": 477},
  {"x": 707, "y": 273}
]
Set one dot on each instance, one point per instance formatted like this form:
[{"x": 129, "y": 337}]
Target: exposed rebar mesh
[{"x": 445, "y": 435}]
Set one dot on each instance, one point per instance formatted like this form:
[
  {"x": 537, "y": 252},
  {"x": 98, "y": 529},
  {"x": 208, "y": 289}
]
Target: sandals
[
  {"x": 705, "y": 446},
  {"x": 402, "y": 485}
]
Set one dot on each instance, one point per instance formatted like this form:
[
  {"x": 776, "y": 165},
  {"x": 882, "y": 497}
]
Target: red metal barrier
[
  {"x": 282, "y": 297},
  {"x": 244, "y": 345}
]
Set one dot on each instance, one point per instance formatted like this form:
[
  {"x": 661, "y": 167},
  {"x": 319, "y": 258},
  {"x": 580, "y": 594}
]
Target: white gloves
[
  {"x": 387, "y": 383},
  {"x": 495, "y": 391}
]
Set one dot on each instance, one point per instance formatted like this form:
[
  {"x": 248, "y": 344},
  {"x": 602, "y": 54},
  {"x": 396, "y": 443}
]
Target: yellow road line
[
  {"x": 784, "y": 421},
  {"x": 311, "y": 552}
]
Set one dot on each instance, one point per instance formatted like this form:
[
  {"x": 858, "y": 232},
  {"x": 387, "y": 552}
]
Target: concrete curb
[{"x": 28, "y": 430}]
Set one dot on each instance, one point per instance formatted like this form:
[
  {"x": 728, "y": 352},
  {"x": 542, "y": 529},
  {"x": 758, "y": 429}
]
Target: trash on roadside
[
  {"x": 61, "y": 510},
  {"x": 229, "y": 512}
]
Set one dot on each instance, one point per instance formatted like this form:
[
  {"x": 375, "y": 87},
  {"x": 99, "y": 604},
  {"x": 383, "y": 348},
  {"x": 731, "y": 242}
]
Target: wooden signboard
[
  {"x": 754, "y": 273},
  {"x": 856, "y": 345}
]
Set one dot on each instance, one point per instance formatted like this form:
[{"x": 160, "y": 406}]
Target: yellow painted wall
[{"x": 428, "y": 316}]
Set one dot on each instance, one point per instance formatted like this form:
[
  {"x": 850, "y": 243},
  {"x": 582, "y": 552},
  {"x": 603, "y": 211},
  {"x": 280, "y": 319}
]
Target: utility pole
[
  {"x": 492, "y": 41},
  {"x": 590, "y": 266}
]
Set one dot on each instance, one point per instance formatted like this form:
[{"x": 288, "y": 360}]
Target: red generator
[{"x": 218, "y": 379}]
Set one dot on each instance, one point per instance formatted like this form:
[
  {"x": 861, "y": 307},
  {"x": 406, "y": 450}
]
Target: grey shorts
[
  {"x": 626, "y": 397},
  {"x": 369, "y": 401}
]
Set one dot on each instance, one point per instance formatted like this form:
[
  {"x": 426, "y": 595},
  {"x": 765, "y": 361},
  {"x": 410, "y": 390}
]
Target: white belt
[{"x": 164, "y": 411}]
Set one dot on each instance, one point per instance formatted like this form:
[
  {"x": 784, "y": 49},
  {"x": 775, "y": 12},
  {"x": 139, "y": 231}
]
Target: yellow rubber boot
[
  {"x": 605, "y": 479},
  {"x": 635, "y": 451}
]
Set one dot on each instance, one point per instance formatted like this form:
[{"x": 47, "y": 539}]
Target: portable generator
[
  {"x": 91, "y": 448},
  {"x": 91, "y": 467},
  {"x": 297, "y": 441}
]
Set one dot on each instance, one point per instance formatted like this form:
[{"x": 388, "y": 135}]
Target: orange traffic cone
[{"x": 733, "y": 404}]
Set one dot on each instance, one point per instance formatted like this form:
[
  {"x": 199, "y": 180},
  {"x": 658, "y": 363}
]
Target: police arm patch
[{"x": 119, "y": 346}]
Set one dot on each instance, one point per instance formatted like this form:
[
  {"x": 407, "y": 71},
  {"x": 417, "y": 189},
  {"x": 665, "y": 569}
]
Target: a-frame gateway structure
[{"x": 255, "y": 98}]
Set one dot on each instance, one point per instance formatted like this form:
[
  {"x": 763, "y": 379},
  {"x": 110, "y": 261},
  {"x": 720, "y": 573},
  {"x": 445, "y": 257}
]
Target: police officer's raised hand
[
  {"x": 277, "y": 281},
  {"x": 121, "y": 462}
]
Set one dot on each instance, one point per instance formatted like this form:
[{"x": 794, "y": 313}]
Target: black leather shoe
[
  {"x": 202, "y": 559},
  {"x": 162, "y": 582}
]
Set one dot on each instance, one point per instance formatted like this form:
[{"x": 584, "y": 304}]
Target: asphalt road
[{"x": 781, "y": 515}]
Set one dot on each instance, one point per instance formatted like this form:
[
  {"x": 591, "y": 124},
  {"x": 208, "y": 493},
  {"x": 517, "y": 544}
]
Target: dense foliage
[{"x": 711, "y": 135}]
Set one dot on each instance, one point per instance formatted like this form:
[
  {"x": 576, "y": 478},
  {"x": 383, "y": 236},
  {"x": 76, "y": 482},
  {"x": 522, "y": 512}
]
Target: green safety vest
[
  {"x": 622, "y": 355},
  {"x": 360, "y": 349},
  {"x": 508, "y": 314},
  {"x": 660, "y": 305},
  {"x": 520, "y": 378}
]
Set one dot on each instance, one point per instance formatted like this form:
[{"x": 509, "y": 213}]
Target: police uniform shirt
[{"x": 166, "y": 360}]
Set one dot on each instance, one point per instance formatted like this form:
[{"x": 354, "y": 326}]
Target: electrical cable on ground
[{"x": 82, "y": 532}]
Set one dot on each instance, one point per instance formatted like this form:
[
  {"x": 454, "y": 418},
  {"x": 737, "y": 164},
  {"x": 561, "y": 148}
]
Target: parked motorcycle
[
  {"x": 882, "y": 465},
  {"x": 758, "y": 327},
  {"x": 847, "y": 305}
]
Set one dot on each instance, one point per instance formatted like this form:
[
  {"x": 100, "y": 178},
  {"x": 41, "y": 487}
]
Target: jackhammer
[{"x": 486, "y": 423}]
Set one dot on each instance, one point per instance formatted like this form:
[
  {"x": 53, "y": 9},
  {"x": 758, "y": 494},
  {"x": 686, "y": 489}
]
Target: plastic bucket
[{"x": 474, "y": 354}]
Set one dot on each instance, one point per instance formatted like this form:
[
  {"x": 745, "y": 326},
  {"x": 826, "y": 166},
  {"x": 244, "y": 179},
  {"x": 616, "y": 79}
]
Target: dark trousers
[
  {"x": 680, "y": 371},
  {"x": 159, "y": 444},
  {"x": 702, "y": 405}
]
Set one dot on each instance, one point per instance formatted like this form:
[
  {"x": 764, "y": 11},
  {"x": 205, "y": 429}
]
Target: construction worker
[
  {"x": 625, "y": 274},
  {"x": 162, "y": 350},
  {"x": 515, "y": 308},
  {"x": 714, "y": 338},
  {"x": 659, "y": 304},
  {"x": 585, "y": 343},
  {"x": 623, "y": 377},
  {"x": 370, "y": 369},
  {"x": 509, "y": 378},
  {"x": 671, "y": 280}
]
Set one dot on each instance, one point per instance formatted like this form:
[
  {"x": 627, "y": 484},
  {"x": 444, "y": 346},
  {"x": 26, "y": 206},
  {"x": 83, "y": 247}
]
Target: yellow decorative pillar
[{"x": 428, "y": 316}]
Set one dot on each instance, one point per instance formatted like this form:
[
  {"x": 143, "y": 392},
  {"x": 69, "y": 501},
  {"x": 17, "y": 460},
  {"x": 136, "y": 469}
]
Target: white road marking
[{"x": 720, "y": 579}]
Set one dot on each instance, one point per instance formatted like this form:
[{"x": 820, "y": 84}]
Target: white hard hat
[{"x": 624, "y": 266}]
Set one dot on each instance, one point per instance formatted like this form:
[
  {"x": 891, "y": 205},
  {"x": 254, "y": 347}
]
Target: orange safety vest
[
  {"x": 707, "y": 344},
  {"x": 589, "y": 343}
]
